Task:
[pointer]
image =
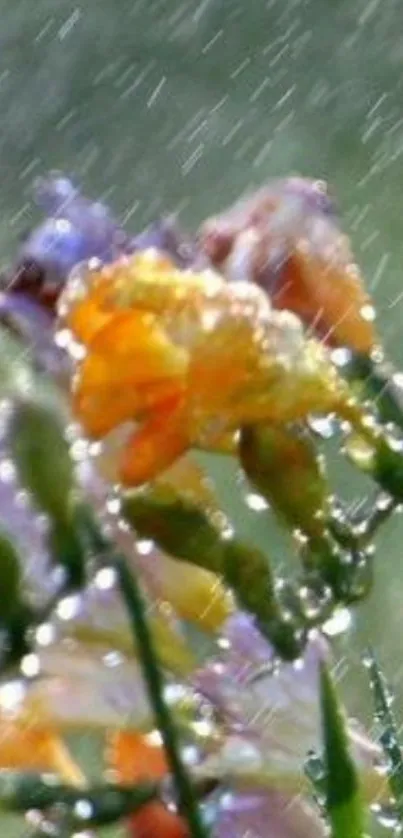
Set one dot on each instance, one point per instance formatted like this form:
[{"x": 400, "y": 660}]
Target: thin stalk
[
  {"x": 143, "y": 642},
  {"x": 135, "y": 606}
]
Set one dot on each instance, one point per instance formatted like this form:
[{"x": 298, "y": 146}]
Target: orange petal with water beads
[
  {"x": 102, "y": 410},
  {"x": 135, "y": 758},
  {"x": 134, "y": 348},
  {"x": 336, "y": 292},
  {"x": 87, "y": 316},
  {"x": 161, "y": 440}
]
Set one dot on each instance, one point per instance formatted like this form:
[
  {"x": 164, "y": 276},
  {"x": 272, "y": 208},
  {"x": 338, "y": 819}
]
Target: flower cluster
[
  {"x": 140, "y": 614},
  {"x": 189, "y": 357}
]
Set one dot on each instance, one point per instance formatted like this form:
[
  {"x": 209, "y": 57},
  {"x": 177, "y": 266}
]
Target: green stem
[
  {"x": 152, "y": 675},
  {"x": 133, "y": 600}
]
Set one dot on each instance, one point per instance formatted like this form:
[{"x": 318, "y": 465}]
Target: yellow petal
[
  {"x": 23, "y": 746},
  {"x": 197, "y": 595}
]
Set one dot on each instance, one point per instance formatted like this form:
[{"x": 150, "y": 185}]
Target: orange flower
[
  {"x": 134, "y": 758},
  {"x": 287, "y": 239},
  {"x": 188, "y": 358},
  {"x": 29, "y": 747}
]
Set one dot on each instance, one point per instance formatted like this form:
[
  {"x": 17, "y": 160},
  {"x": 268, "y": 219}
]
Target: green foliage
[
  {"x": 388, "y": 738},
  {"x": 344, "y": 807}
]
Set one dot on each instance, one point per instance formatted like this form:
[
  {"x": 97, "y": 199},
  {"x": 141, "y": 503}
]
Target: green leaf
[
  {"x": 10, "y": 579},
  {"x": 374, "y": 381},
  {"x": 389, "y": 733},
  {"x": 343, "y": 800},
  {"x": 67, "y": 550},
  {"x": 42, "y": 457}
]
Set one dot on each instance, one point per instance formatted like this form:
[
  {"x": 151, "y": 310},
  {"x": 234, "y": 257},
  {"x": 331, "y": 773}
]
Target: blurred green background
[{"x": 184, "y": 104}]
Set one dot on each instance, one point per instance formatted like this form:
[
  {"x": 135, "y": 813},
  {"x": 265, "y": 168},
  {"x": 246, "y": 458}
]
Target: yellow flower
[{"x": 188, "y": 358}]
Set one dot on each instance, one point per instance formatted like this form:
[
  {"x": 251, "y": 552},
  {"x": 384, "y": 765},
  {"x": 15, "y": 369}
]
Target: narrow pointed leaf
[
  {"x": 343, "y": 799},
  {"x": 389, "y": 734}
]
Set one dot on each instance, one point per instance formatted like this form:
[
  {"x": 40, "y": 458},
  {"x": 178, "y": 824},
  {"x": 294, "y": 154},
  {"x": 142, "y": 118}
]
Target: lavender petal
[{"x": 262, "y": 814}]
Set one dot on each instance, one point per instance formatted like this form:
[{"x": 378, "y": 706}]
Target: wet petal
[
  {"x": 236, "y": 360},
  {"x": 275, "y": 705},
  {"x": 286, "y": 238},
  {"x": 160, "y": 441},
  {"x": 195, "y": 594},
  {"x": 135, "y": 757},
  {"x": 156, "y": 821},
  {"x": 86, "y": 686},
  {"x": 76, "y": 229},
  {"x": 259, "y": 815}
]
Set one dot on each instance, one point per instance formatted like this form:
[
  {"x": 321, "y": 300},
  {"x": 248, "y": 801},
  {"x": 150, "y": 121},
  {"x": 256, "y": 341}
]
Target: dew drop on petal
[
  {"x": 341, "y": 356},
  {"x": 368, "y": 313},
  {"x": 338, "y": 623},
  {"x": 154, "y": 739},
  {"x": 11, "y": 696},
  {"x": 105, "y": 579},
  {"x": 79, "y": 450},
  {"x": 68, "y": 607},
  {"x": 7, "y": 471},
  {"x": 45, "y": 634},
  {"x": 30, "y": 666},
  {"x": 113, "y": 659},
  {"x": 114, "y": 506},
  {"x": 144, "y": 547}
]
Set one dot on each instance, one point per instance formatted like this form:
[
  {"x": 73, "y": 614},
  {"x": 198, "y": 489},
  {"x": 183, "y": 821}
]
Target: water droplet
[
  {"x": 397, "y": 379},
  {"x": 45, "y": 634},
  {"x": 79, "y": 450},
  {"x": 22, "y": 500},
  {"x": 324, "y": 426},
  {"x": 256, "y": 502},
  {"x": 338, "y": 623},
  {"x": 30, "y": 666},
  {"x": 12, "y": 695},
  {"x": 113, "y": 659},
  {"x": 83, "y": 809},
  {"x": 114, "y": 506},
  {"x": 154, "y": 739},
  {"x": 314, "y": 767},
  {"x": 368, "y": 313},
  {"x": 7, "y": 471},
  {"x": 68, "y": 607},
  {"x": 105, "y": 579},
  {"x": 190, "y": 755},
  {"x": 145, "y": 547},
  {"x": 385, "y": 815},
  {"x": 316, "y": 600},
  {"x": 341, "y": 357}
]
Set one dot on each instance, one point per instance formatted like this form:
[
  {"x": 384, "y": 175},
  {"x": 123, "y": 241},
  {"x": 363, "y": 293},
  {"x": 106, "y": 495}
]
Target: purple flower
[
  {"x": 271, "y": 715},
  {"x": 76, "y": 229}
]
